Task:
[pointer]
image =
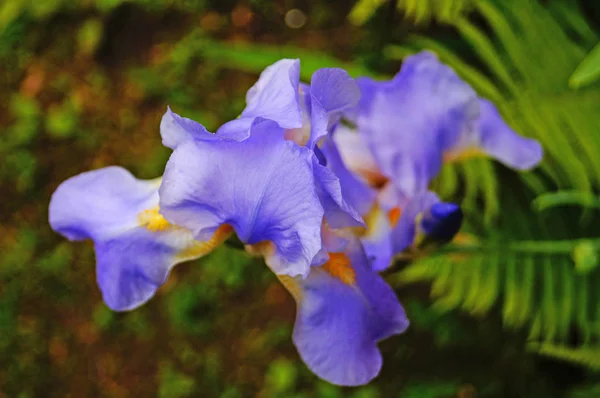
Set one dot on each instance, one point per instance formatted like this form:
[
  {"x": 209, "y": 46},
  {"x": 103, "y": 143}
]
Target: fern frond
[
  {"x": 561, "y": 198},
  {"x": 587, "y": 356},
  {"x": 534, "y": 281},
  {"x": 419, "y": 11}
]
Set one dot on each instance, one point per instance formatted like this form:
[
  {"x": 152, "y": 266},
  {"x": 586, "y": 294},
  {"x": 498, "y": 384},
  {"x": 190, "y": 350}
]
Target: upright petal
[
  {"x": 264, "y": 187},
  {"x": 408, "y": 122},
  {"x": 135, "y": 246},
  {"x": 332, "y": 91},
  {"x": 343, "y": 310},
  {"x": 273, "y": 97}
]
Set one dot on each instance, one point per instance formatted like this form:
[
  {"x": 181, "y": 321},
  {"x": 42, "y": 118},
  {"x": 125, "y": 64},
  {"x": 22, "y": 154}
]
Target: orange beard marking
[
  {"x": 339, "y": 267},
  {"x": 394, "y": 216}
]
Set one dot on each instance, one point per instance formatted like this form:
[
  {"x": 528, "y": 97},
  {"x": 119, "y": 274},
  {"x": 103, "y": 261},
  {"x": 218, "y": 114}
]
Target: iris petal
[
  {"x": 409, "y": 121},
  {"x": 338, "y": 212},
  {"x": 100, "y": 203},
  {"x": 502, "y": 143},
  {"x": 332, "y": 91},
  {"x": 175, "y": 130},
  {"x": 135, "y": 246},
  {"x": 273, "y": 97},
  {"x": 263, "y": 187},
  {"x": 341, "y": 315}
]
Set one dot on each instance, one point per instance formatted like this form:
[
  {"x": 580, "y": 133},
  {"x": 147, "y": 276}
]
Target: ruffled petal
[
  {"x": 343, "y": 310},
  {"x": 273, "y": 97},
  {"x": 136, "y": 247},
  {"x": 332, "y": 91},
  {"x": 263, "y": 187},
  {"x": 175, "y": 130},
  {"x": 410, "y": 121},
  {"x": 100, "y": 203}
]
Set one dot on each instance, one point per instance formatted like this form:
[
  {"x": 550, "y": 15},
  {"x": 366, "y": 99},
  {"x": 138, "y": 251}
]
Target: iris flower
[
  {"x": 135, "y": 246},
  {"x": 263, "y": 177},
  {"x": 404, "y": 129}
]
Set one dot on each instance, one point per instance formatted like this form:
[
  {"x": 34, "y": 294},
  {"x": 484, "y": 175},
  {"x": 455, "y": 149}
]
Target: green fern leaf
[
  {"x": 553, "y": 199},
  {"x": 588, "y": 356}
]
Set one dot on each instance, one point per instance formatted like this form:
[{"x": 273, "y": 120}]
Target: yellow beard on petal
[
  {"x": 198, "y": 249},
  {"x": 340, "y": 267},
  {"x": 153, "y": 221}
]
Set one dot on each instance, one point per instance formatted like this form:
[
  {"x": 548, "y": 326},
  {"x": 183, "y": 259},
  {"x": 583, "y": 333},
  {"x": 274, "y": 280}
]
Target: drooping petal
[
  {"x": 100, "y": 203},
  {"x": 264, "y": 187},
  {"x": 495, "y": 138},
  {"x": 273, "y": 97},
  {"x": 332, "y": 91},
  {"x": 135, "y": 246},
  {"x": 132, "y": 266},
  {"x": 409, "y": 121},
  {"x": 343, "y": 310}
]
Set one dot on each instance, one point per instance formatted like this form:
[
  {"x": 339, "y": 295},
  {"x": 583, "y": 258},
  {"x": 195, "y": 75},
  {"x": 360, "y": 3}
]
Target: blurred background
[{"x": 510, "y": 309}]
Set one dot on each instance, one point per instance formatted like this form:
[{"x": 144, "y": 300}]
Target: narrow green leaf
[{"x": 588, "y": 70}]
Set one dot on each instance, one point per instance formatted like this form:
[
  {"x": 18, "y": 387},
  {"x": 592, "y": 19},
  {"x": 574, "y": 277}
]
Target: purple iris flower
[
  {"x": 426, "y": 114},
  {"x": 404, "y": 129},
  {"x": 135, "y": 246},
  {"x": 260, "y": 175}
]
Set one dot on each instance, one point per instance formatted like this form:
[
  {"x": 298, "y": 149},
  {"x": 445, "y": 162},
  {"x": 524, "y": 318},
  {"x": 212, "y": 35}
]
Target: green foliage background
[{"x": 510, "y": 309}]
